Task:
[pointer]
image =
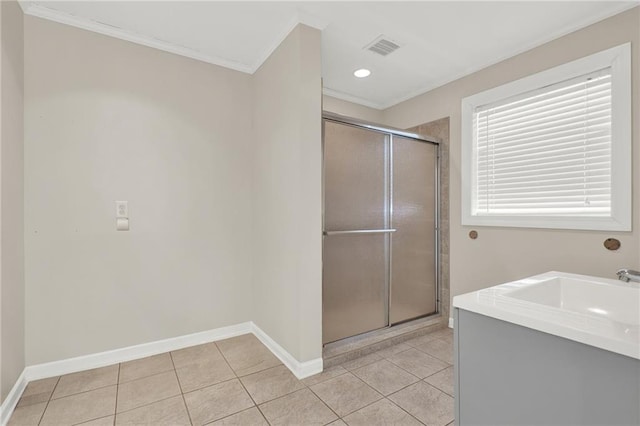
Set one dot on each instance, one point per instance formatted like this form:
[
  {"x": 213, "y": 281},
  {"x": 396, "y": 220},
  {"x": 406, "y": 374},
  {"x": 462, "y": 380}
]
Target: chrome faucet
[{"x": 627, "y": 275}]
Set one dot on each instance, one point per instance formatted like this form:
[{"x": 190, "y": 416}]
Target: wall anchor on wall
[
  {"x": 473, "y": 234},
  {"x": 612, "y": 244}
]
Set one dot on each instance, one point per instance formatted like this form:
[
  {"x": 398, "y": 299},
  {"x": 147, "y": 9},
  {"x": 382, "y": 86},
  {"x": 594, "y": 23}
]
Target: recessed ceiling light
[{"x": 362, "y": 73}]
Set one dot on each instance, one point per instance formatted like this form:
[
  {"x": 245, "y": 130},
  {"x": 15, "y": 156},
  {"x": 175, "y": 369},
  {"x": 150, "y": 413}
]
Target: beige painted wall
[
  {"x": 503, "y": 254},
  {"x": 287, "y": 281},
  {"x": 11, "y": 189},
  {"x": 349, "y": 109},
  {"x": 110, "y": 120}
]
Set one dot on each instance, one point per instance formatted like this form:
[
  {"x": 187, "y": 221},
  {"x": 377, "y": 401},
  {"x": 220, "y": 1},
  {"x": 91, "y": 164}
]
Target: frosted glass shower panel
[
  {"x": 413, "y": 259},
  {"x": 355, "y": 265},
  {"x": 354, "y": 161}
]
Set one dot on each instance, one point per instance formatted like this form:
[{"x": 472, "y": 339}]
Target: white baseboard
[
  {"x": 10, "y": 402},
  {"x": 299, "y": 369},
  {"x": 451, "y": 322},
  {"x": 103, "y": 359}
]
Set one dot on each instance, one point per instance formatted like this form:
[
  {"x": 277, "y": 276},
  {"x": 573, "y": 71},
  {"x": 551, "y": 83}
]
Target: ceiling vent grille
[{"x": 382, "y": 46}]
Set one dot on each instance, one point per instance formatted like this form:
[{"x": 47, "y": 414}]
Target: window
[{"x": 552, "y": 150}]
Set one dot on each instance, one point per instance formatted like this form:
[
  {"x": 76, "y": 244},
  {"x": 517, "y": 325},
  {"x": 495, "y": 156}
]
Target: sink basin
[
  {"x": 600, "y": 312},
  {"x": 599, "y": 299}
]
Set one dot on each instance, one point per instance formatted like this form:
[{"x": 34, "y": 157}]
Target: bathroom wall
[
  {"x": 349, "y": 109},
  {"x": 11, "y": 189},
  {"x": 287, "y": 279},
  {"x": 503, "y": 254},
  {"x": 109, "y": 120}
]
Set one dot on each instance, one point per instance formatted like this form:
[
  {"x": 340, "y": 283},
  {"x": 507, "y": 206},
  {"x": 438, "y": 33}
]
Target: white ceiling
[{"x": 440, "y": 40}]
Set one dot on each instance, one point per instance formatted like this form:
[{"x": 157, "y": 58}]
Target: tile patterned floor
[{"x": 238, "y": 381}]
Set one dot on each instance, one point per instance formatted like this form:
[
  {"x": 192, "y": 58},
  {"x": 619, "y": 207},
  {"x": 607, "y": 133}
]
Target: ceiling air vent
[{"x": 382, "y": 46}]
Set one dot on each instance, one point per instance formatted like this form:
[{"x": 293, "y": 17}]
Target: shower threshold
[{"x": 344, "y": 350}]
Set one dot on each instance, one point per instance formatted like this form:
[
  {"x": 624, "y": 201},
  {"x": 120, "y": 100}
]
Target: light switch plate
[{"x": 122, "y": 209}]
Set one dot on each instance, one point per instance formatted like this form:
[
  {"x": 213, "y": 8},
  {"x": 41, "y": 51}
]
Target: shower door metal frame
[{"x": 388, "y": 219}]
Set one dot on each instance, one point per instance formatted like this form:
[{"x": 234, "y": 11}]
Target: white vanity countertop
[{"x": 600, "y": 312}]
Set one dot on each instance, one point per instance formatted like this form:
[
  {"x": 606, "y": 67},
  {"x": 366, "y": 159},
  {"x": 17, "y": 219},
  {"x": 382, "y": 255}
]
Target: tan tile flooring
[{"x": 238, "y": 381}]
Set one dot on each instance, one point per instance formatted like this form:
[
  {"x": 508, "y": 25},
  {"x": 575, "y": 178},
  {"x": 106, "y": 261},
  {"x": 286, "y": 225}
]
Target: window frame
[{"x": 619, "y": 59}]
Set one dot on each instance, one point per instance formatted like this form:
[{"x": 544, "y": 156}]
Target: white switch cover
[{"x": 122, "y": 209}]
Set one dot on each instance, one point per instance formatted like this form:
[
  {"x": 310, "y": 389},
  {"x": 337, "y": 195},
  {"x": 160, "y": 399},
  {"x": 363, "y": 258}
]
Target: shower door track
[{"x": 388, "y": 231}]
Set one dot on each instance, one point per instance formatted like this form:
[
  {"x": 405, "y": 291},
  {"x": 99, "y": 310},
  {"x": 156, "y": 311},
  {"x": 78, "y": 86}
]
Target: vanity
[{"x": 552, "y": 349}]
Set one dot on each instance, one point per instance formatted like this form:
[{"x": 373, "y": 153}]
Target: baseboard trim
[
  {"x": 10, "y": 402},
  {"x": 300, "y": 369},
  {"x": 451, "y": 322},
  {"x": 102, "y": 359}
]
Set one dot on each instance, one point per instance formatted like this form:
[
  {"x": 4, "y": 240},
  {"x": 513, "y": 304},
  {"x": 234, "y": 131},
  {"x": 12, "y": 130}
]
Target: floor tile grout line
[
  {"x": 235, "y": 373},
  {"x": 414, "y": 383},
  {"x": 228, "y": 364},
  {"x": 251, "y": 397},
  {"x": 366, "y": 384},
  {"x": 142, "y": 406},
  {"x": 266, "y": 369},
  {"x": 325, "y": 404},
  {"x": 251, "y": 345},
  {"x": 422, "y": 378},
  {"x": 230, "y": 415},
  {"x": 280, "y": 396},
  {"x": 411, "y": 415},
  {"x": 50, "y": 397},
  {"x": 272, "y": 399},
  {"x": 115, "y": 411},
  {"x": 322, "y": 381},
  {"x": 428, "y": 353},
  {"x": 429, "y": 384},
  {"x": 86, "y": 391},
  {"x": 363, "y": 407},
  {"x": 100, "y": 417},
  {"x": 184, "y": 401},
  {"x": 393, "y": 364},
  {"x": 418, "y": 379},
  {"x": 439, "y": 371},
  {"x": 205, "y": 386},
  {"x": 242, "y": 384},
  {"x": 442, "y": 390},
  {"x": 96, "y": 418},
  {"x": 144, "y": 377}
]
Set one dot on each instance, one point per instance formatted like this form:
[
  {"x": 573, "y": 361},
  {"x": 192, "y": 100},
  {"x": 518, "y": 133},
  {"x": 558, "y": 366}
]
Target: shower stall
[{"x": 380, "y": 236}]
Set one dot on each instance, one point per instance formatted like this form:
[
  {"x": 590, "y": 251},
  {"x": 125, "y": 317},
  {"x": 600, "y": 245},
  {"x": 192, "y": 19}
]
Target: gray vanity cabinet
[{"x": 506, "y": 374}]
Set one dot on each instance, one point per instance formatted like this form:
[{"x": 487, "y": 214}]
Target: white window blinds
[{"x": 546, "y": 152}]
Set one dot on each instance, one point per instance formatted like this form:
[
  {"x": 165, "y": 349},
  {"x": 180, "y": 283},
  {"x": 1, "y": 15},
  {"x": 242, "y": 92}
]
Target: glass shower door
[
  {"x": 413, "y": 248},
  {"x": 356, "y": 240}
]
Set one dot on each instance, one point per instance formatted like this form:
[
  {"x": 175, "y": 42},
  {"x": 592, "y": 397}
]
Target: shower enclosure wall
[{"x": 380, "y": 244}]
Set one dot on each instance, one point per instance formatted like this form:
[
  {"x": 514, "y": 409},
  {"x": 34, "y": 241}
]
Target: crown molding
[
  {"x": 523, "y": 48},
  {"x": 37, "y": 10},
  {"x": 350, "y": 98},
  {"x": 29, "y": 7},
  {"x": 43, "y": 12}
]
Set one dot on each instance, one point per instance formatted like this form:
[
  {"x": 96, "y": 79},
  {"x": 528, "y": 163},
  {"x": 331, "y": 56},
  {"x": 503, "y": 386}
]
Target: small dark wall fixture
[
  {"x": 473, "y": 234},
  {"x": 612, "y": 244}
]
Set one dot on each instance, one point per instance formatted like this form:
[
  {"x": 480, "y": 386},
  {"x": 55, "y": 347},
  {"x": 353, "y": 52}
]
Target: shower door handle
[{"x": 360, "y": 231}]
